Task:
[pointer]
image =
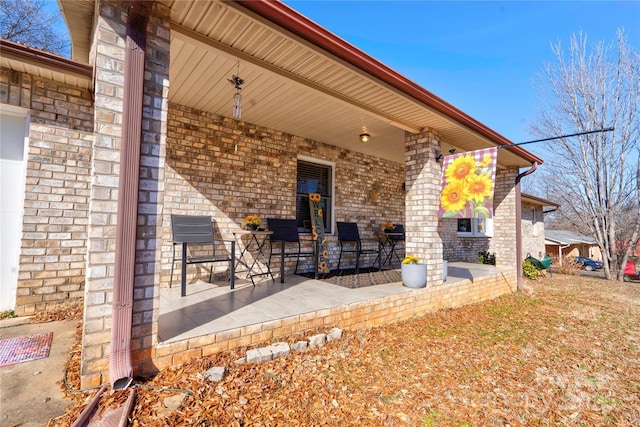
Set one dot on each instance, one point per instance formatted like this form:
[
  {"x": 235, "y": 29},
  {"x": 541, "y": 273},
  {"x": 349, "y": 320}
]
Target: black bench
[{"x": 198, "y": 229}]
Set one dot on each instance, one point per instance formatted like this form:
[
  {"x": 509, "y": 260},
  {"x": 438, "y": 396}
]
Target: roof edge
[
  {"x": 43, "y": 58},
  {"x": 539, "y": 200},
  {"x": 293, "y": 21}
]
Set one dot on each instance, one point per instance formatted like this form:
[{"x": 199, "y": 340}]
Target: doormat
[
  {"x": 366, "y": 277},
  {"x": 24, "y": 349}
]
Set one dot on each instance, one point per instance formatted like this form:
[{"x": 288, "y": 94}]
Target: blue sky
[{"x": 480, "y": 56}]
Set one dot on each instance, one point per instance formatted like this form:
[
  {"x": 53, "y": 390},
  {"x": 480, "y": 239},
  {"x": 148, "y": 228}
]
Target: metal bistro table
[
  {"x": 255, "y": 246},
  {"x": 388, "y": 242}
]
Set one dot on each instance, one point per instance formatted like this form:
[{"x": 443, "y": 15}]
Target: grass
[{"x": 8, "y": 314}]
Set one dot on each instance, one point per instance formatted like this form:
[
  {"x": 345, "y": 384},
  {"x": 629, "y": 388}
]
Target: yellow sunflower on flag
[
  {"x": 460, "y": 168},
  {"x": 453, "y": 196},
  {"x": 467, "y": 185}
]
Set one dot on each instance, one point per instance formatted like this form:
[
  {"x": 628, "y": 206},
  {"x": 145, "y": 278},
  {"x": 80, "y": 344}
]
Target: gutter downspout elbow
[{"x": 529, "y": 171}]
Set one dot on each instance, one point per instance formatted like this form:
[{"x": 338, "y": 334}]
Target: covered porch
[
  {"x": 213, "y": 317},
  {"x": 307, "y": 97}
]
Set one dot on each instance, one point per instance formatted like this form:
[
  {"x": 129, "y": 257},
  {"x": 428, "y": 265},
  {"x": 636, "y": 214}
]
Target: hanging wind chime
[{"x": 237, "y": 82}]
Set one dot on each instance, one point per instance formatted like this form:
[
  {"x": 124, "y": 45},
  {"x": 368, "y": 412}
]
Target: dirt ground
[{"x": 566, "y": 351}]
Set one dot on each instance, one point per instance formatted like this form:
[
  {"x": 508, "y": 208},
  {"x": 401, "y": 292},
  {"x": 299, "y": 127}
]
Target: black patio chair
[
  {"x": 198, "y": 230},
  {"x": 350, "y": 242},
  {"x": 286, "y": 231}
]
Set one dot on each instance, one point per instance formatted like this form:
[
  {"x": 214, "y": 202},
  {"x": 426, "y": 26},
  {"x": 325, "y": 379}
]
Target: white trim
[
  {"x": 14, "y": 110},
  {"x": 474, "y": 228},
  {"x": 15, "y": 215}
]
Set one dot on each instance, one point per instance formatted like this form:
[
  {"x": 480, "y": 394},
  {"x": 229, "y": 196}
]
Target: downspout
[
  {"x": 529, "y": 171},
  {"x": 120, "y": 370}
]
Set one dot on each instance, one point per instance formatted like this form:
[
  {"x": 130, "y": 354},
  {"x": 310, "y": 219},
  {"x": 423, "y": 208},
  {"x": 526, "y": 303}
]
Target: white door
[{"x": 13, "y": 132}]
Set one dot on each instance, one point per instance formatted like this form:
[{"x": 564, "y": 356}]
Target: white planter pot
[{"x": 414, "y": 275}]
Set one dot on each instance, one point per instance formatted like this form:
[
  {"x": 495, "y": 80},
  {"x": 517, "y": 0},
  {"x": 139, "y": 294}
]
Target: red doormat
[{"x": 23, "y": 349}]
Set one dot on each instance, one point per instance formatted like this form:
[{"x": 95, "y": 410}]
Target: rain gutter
[
  {"x": 120, "y": 370},
  {"x": 26, "y": 54},
  {"x": 529, "y": 171},
  {"x": 296, "y": 23}
]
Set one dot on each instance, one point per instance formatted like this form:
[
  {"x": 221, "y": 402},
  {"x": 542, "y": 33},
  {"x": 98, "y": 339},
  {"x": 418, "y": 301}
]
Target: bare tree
[
  {"x": 592, "y": 176},
  {"x": 28, "y": 22}
]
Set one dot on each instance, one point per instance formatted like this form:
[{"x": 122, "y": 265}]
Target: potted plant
[
  {"x": 387, "y": 227},
  {"x": 251, "y": 222},
  {"x": 414, "y": 274}
]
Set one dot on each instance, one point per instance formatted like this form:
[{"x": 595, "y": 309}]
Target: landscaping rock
[
  {"x": 215, "y": 374},
  {"x": 317, "y": 340},
  {"x": 280, "y": 349},
  {"x": 259, "y": 355},
  {"x": 334, "y": 334},
  {"x": 300, "y": 346}
]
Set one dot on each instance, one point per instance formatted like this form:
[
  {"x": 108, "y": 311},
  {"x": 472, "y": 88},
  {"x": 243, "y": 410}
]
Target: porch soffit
[
  {"x": 24, "y": 59},
  {"x": 296, "y": 87},
  {"x": 291, "y": 85}
]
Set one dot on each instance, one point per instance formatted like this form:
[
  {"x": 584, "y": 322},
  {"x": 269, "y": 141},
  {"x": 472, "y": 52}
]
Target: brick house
[
  {"x": 139, "y": 125},
  {"x": 533, "y": 231}
]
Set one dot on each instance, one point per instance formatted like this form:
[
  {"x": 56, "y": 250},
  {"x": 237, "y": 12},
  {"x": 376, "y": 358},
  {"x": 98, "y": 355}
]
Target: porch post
[
  {"x": 109, "y": 89},
  {"x": 422, "y": 198},
  {"x": 505, "y": 238}
]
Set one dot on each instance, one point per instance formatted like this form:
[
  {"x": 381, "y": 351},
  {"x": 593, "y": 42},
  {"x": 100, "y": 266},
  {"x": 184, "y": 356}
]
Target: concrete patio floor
[{"x": 209, "y": 308}]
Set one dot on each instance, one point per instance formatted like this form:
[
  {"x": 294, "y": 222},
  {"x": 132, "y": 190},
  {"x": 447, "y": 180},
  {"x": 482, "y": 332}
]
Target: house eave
[
  {"x": 289, "y": 19},
  {"x": 43, "y": 64}
]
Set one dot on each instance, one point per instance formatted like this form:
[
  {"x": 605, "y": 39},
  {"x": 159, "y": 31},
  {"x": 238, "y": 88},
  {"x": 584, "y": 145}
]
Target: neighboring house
[
  {"x": 139, "y": 125},
  {"x": 533, "y": 232},
  {"x": 562, "y": 244}
]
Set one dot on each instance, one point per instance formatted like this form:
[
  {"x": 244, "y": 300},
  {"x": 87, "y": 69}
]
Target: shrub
[
  {"x": 485, "y": 257},
  {"x": 529, "y": 270},
  {"x": 569, "y": 267}
]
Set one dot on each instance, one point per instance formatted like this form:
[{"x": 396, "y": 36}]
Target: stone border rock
[{"x": 274, "y": 351}]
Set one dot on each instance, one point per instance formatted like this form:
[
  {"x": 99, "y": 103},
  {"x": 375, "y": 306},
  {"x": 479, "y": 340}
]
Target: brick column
[
  {"x": 422, "y": 200},
  {"x": 109, "y": 80},
  {"x": 503, "y": 243}
]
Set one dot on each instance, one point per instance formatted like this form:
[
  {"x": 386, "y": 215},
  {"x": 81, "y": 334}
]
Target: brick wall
[
  {"x": 229, "y": 169},
  {"x": 53, "y": 249},
  {"x": 380, "y": 311},
  {"x": 532, "y": 232},
  {"x": 503, "y": 243}
]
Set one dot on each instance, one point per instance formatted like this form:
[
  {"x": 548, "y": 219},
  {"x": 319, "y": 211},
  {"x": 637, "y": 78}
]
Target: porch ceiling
[{"x": 294, "y": 85}]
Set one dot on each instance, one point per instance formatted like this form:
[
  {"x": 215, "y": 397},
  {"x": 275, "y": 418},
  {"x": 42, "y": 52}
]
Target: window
[
  {"x": 475, "y": 227},
  {"x": 314, "y": 177}
]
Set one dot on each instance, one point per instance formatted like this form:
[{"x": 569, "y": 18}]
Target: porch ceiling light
[{"x": 364, "y": 137}]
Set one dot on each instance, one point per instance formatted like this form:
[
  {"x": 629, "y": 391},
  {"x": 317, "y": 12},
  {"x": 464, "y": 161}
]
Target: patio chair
[
  {"x": 286, "y": 231},
  {"x": 198, "y": 230},
  {"x": 350, "y": 242}
]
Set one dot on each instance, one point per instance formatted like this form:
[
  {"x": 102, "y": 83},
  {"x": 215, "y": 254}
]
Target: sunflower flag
[{"x": 468, "y": 181}]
